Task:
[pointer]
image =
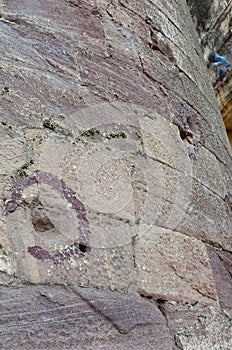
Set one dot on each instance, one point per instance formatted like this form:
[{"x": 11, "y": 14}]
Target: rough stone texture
[
  {"x": 222, "y": 268},
  {"x": 115, "y": 175},
  {"x": 223, "y": 94},
  {"x": 172, "y": 266},
  {"x": 213, "y": 21},
  {"x": 197, "y": 327},
  {"x": 53, "y": 317}
]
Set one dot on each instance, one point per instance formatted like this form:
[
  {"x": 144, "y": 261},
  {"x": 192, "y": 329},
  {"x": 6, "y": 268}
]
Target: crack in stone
[
  {"x": 222, "y": 260},
  {"x": 98, "y": 311},
  {"x": 160, "y": 302}
]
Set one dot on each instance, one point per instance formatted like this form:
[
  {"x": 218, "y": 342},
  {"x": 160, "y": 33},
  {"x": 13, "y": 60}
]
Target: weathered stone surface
[
  {"x": 213, "y": 22},
  {"x": 197, "y": 327},
  {"x": 172, "y": 266},
  {"x": 109, "y": 131},
  {"x": 55, "y": 317},
  {"x": 126, "y": 188},
  {"x": 114, "y": 306},
  {"x": 199, "y": 219},
  {"x": 223, "y": 95},
  {"x": 222, "y": 269}
]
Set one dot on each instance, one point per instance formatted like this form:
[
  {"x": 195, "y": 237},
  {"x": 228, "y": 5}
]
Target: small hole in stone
[
  {"x": 83, "y": 248},
  {"x": 40, "y": 220}
]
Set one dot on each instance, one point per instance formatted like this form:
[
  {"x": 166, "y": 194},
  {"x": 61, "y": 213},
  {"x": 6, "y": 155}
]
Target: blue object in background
[
  {"x": 220, "y": 60},
  {"x": 222, "y": 74}
]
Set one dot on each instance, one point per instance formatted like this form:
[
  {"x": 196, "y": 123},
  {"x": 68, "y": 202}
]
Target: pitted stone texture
[
  {"x": 8, "y": 266},
  {"x": 8, "y": 261},
  {"x": 172, "y": 266},
  {"x": 197, "y": 327},
  {"x": 53, "y": 317}
]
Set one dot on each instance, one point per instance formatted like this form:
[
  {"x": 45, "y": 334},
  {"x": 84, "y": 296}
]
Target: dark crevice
[
  {"x": 161, "y": 306},
  {"x": 188, "y": 103},
  {"x": 83, "y": 248},
  {"x": 133, "y": 239},
  {"x": 154, "y": 26},
  {"x": 188, "y": 122},
  {"x": 169, "y": 19},
  {"x": 93, "y": 307},
  {"x": 183, "y": 127},
  {"x": 109, "y": 14},
  {"x": 160, "y": 303},
  {"x": 184, "y": 131},
  {"x": 97, "y": 310},
  {"x": 215, "y": 245},
  {"x": 178, "y": 343},
  {"x": 215, "y": 155},
  {"x": 156, "y": 44}
]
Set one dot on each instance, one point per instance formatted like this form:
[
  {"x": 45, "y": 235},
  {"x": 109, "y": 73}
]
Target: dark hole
[{"x": 83, "y": 248}]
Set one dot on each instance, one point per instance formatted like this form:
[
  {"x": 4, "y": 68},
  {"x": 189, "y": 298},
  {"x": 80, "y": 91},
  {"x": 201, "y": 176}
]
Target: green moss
[
  {"x": 93, "y": 131},
  {"x": 54, "y": 126},
  {"x": 49, "y": 124},
  {"x": 138, "y": 134},
  {"x": 90, "y": 132},
  {"x": 21, "y": 172},
  {"x": 61, "y": 116},
  {"x": 38, "y": 138},
  {"x": 114, "y": 135},
  {"x": 87, "y": 52},
  {"x": 140, "y": 153},
  {"x": 3, "y": 123},
  {"x": 5, "y": 90}
]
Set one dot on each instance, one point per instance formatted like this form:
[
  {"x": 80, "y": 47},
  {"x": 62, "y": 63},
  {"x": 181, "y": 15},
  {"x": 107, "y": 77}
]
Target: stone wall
[
  {"x": 213, "y": 20},
  {"x": 115, "y": 180}
]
